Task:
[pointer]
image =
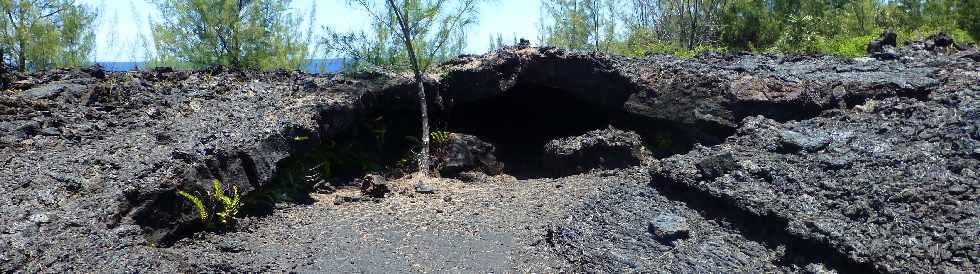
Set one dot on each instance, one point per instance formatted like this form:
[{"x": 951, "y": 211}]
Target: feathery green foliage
[
  {"x": 580, "y": 24},
  {"x": 684, "y": 27},
  {"x": 220, "y": 208},
  {"x": 46, "y": 34},
  {"x": 438, "y": 33},
  {"x": 250, "y": 34},
  {"x": 440, "y": 137},
  {"x": 229, "y": 204},
  {"x": 202, "y": 211},
  {"x": 497, "y": 42}
]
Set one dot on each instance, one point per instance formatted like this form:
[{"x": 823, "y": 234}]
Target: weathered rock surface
[
  {"x": 668, "y": 227},
  {"x": 707, "y": 92},
  {"x": 599, "y": 149},
  {"x": 374, "y": 186},
  {"x": 462, "y": 152},
  {"x": 116, "y": 157},
  {"x": 886, "y": 39},
  {"x": 889, "y": 186},
  {"x": 835, "y": 164}
]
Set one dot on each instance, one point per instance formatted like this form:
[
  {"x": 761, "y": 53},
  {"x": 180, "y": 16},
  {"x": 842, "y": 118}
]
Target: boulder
[
  {"x": 374, "y": 186},
  {"x": 49, "y": 91},
  {"x": 461, "y": 152},
  {"x": 599, "y": 149},
  {"x": 886, "y": 54},
  {"x": 887, "y": 38},
  {"x": 796, "y": 141},
  {"x": 717, "y": 165},
  {"x": 96, "y": 71},
  {"x": 668, "y": 228},
  {"x": 942, "y": 40},
  {"x": 424, "y": 188},
  {"x": 962, "y": 46},
  {"x": 971, "y": 54}
]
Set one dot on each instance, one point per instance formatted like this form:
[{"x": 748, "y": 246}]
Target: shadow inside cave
[{"x": 518, "y": 122}]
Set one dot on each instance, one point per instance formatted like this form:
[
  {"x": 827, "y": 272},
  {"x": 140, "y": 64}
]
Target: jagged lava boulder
[
  {"x": 890, "y": 186},
  {"x": 462, "y": 152},
  {"x": 598, "y": 149}
]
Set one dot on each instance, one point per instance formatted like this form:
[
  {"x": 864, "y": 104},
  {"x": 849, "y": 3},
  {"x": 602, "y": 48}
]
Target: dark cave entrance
[
  {"x": 522, "y": 120},
  {"x": 376, "y": 143},
  {"x": 518, "y": 122}
]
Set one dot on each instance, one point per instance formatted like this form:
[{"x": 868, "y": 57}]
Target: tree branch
[
  {"x": 53, "y": 12},
  {"x": 469, "y": 4}
]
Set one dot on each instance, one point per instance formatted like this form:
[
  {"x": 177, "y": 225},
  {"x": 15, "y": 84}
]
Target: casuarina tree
[
  {"x": 425, "y": 32},
  {"x": 251, "y": 34},
  {"x": 45, "y": 34}
]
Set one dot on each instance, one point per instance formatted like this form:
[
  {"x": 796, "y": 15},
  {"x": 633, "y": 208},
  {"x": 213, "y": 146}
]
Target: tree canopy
[
  {"x": 439, "y": 32},
  {"x": 419, "y": 33},
  {"x": 812, "y": 26},
  {"x": 579, "y": 24},
  {"x": 252, "y": 34},
  {"x": 268, "y": 34},
  {"x": 45, "y": 34}
]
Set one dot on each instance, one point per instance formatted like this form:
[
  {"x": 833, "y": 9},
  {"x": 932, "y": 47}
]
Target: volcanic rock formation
[{"x": 763, "y": 164}]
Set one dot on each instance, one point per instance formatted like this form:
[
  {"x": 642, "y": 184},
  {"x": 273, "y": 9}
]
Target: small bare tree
[{"x": 426, "y": 28}]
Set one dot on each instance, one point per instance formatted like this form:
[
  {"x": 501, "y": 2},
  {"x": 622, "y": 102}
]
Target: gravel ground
[{"x": 598, "y": 222}]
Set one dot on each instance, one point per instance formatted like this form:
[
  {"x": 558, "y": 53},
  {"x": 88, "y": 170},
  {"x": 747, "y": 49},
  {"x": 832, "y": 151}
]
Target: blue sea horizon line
[{"x": 330, "y": 65}]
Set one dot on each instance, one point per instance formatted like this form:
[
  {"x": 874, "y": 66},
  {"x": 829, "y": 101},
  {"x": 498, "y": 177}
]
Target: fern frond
[
  {"x": 439, "y": 137},
  {"x": 217, "y": 187},
  {"x": 229, "y": 205},
  {"x": 202, "y": 211},
  {"x": 236, "y": 201}
]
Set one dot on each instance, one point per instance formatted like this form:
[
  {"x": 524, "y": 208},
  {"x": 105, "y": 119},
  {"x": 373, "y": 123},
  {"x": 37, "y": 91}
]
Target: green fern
[
  {"x": 220, "y": 209},
  {"x": 439, "y": 137},
  {"x": 203, "y": 212},
  {"x": 229, "y": 205}
]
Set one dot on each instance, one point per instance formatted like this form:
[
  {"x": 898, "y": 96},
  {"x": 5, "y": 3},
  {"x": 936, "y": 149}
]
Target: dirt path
[{"x": 499, "y": 225}]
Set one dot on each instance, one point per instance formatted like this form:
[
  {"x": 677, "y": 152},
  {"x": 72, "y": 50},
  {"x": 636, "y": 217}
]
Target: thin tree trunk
[
  {"x": 407, "y": 37},
  {"x": 21, "y": 58},
  {"x": 3, "y": 70},
  {"x": 694, "y": 23},
  {"x": 22, "y": 53},
  {"x": 595, "y": 21}
]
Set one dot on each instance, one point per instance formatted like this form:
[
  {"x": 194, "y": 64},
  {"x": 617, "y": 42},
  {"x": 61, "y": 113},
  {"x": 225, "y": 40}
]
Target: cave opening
[
  {"x": 379, "y": 143},
  {"x": 520, "y": 121}
]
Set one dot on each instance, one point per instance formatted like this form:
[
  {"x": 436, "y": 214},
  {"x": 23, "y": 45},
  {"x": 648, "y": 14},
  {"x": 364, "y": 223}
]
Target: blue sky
[{"x": 123, "y": 20}]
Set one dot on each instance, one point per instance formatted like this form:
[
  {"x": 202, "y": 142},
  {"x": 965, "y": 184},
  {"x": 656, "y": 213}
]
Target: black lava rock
[
  {"x": 796, "y": 141},
  {"x": 668, "y": 228},
  {"x": 942, "y": 40},
  {"x": 599, "y": 149},
  {"x": 885, "y": 54},
  {"x": 374, "y": 186},
  {"x": 461, "y": 153},
  {"x": 887, "y": 38},
  {"x": 424, "y": 188},
  {"x": 95, "y": 71},
  {"x": 718, "y": 165}
]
